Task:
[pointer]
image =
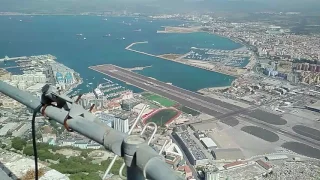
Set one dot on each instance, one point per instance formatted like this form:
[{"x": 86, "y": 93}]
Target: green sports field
[
  {"x": 163, "y": 116},
  {"x": 161, "y": 100}
]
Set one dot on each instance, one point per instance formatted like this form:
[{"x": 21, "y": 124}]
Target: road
[{"x": 193, "y": 100}]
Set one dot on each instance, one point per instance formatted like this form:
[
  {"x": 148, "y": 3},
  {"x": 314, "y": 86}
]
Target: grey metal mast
[{"x": 141, "y": 160}]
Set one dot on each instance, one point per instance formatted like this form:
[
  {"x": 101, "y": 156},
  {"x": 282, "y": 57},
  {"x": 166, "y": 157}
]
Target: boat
[
  {"x": 79, "y": 34},
  {"x": 84, "y": 38},
  {"x": 123, "y": 38},
  {"x": 107, "y": 35},
  {"x": 106, "y": 19},
  {"x": 97, "y": 92},
  {"x": 138, "y": 30}
]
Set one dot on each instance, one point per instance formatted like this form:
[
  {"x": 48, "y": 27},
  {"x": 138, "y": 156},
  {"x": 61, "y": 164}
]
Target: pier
[{"x": 13, "y": 58}]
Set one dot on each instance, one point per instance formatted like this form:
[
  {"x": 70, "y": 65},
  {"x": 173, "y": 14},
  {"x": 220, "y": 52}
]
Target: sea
[{"x": 57, "y": 35}]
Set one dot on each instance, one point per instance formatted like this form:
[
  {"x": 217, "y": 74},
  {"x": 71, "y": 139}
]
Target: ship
[{"x": 97, "y": 92}]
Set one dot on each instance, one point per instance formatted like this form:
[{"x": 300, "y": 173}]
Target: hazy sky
[{"x": 159, "y": 5}]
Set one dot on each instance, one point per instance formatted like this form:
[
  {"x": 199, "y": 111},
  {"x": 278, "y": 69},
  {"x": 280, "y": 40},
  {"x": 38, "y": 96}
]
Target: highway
[{"x": 196, "y": 101}]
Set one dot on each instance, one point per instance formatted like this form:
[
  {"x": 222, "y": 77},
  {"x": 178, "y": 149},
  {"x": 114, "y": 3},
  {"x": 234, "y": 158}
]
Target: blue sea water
[{"x": 56, "y": 35}]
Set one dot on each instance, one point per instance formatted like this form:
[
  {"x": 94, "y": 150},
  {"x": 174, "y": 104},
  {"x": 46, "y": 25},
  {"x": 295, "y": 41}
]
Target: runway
[
  {"x": 214, "y": 107},
  {"x": 190, "y": 99}
]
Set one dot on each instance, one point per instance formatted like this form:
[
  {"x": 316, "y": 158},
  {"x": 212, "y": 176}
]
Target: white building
[
  {"x": 208, "y": 143},
  {"x": 8, "y": 127},
  {"x": 106, "y": 118},
  {"x": 210, "y": 175},
  {"x": 37, "y": 78},
  {"x": 121, "y": 124}
]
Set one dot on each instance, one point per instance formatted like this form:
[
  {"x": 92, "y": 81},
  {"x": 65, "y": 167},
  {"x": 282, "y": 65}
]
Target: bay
[{"x": 56, "y": 35}]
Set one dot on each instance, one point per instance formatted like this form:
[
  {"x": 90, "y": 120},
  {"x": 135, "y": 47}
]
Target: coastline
[
  {"x": 178, "y": 58},
  {"x": 226, "y": 70}
]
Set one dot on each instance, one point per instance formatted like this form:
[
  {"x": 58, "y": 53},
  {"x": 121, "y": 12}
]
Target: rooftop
[
  {"x": 315, "y": 105},
  {"x": 208, "y": 142}
]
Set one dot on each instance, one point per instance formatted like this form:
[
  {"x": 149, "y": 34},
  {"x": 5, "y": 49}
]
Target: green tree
[
  {"x": 28, "y": 150},
  {"x": 18, "y": 143},
  {"x": 84, "y": 154},
  {"x": 9, "y": 134}
]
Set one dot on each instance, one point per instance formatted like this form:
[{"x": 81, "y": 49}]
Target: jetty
[{"x": 13, "y": 58}]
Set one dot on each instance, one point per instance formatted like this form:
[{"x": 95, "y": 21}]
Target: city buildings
[
  {"x": 121, "y": 123},
  {"x": 190, "y": 147},
  {"x": 212, "y": 173},
  {"x": 106, "y": 118},
  {"x": 128, "y": 104}
]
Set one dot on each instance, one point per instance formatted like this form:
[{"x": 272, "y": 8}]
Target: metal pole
[
  {"x": 139, "y": 157},
  {"x": 130, "y": 145},
  {"x": 115, "y": 157}
]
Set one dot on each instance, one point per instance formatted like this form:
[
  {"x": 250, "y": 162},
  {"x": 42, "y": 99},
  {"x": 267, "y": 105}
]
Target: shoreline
[
  {"x": 193, "y": 63},
  {"x": 198, "y": 29}
]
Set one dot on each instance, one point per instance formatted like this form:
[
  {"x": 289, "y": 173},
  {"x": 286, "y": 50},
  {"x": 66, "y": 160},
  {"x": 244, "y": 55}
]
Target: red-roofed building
[
  {"x": 187, "y": 171},
  {"x": 114, "y": 105},
  {"x": 234, "y": 165},
  {"x": 264, "y": 165}
]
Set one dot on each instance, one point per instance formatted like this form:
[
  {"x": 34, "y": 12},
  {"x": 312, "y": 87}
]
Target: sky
[{"x": 159, "y": 5}]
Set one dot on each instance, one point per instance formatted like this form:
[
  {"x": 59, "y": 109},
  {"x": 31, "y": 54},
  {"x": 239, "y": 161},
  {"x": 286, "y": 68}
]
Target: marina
[
  {"x": 234, "y": 58},
  {"x": 109, "y": 89},
  {"x": 228, "y": 62}
]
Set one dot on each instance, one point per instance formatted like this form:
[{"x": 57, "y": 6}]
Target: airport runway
[
  {"x": 207, "y": 105},
  {"x": 193, "y": 100}
]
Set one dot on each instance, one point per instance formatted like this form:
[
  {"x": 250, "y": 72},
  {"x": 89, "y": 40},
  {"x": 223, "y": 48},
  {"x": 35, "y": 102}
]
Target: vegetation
[
  {"x": 18, "y": 143},
  {"x": 31, "y": 174},
  {"x": 79, "y": 168},
  {"x": 161, "y": 100},
  {"x": 44, "y": 152},
  {"x": 84, "y": 176},
  {"x": 163, "y": 116}
]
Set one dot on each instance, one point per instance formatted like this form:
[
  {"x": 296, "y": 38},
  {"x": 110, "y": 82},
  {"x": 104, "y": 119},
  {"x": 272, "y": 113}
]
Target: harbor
[
  {"x": 234, "y": 58},
  {"x": 220, "y": 68},
  {"x": 33, "y": 72},
  {"x": 109, "y": 90}
]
